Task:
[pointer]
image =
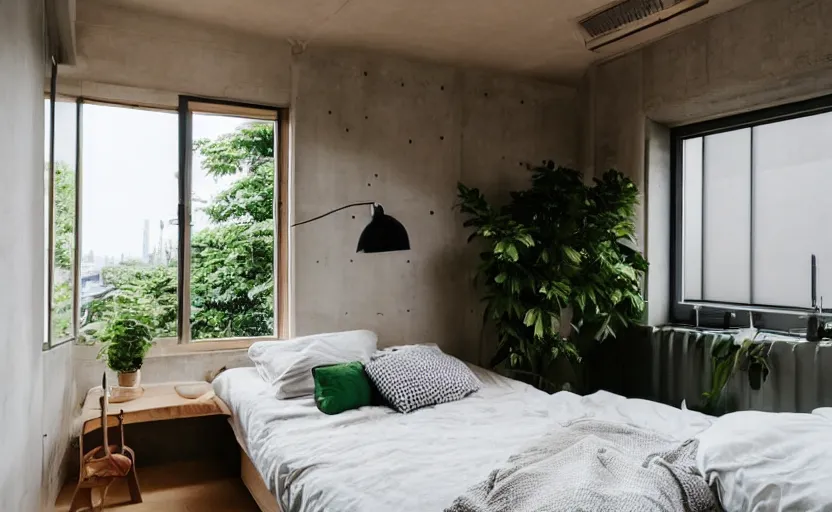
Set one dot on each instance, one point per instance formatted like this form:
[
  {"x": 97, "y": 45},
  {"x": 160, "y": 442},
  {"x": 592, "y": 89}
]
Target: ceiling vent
[{"x": 626, "y": 17}]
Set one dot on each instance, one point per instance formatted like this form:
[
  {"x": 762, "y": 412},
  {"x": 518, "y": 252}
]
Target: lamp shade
[{"x": 383, "y": 234}]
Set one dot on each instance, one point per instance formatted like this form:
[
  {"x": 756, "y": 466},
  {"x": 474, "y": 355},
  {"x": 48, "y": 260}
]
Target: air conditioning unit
[{"x": 623, "y": 18}]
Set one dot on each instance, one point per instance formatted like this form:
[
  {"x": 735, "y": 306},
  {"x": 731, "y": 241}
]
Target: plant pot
[{"x": 129, "y": 379}]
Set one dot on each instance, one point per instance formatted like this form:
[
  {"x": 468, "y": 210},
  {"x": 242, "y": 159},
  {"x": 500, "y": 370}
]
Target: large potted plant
[
  {"x": 125, "y": 343},
  {"x": 559, "y": 267}
]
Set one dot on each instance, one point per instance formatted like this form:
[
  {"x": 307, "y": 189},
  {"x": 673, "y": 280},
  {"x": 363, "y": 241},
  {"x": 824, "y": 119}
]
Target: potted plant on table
[{"x": 125, "y": 342}]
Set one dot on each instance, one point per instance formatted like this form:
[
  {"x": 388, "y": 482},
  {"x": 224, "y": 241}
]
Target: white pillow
[
  {"x": 825, "y": 412},
  {"x": 764, "y": 462},
  {"x": 287, "y": 364}
]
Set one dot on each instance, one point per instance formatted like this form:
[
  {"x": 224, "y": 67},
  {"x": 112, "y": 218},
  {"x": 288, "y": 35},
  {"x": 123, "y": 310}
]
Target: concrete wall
[
  {"x": 766, "y": 53},
  {"x": 464, "y": 125},
  {"x": 21, "y": 254},
  {"x": 122, "y": 50},
  {"x": 165, "y": 368},
  {"x": 402, "y": 133},
  {"x": 60, "y": 405}
]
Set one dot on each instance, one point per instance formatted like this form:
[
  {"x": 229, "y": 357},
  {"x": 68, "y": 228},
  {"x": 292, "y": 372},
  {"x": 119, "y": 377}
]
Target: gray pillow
[{"x": 417, "y": 376}]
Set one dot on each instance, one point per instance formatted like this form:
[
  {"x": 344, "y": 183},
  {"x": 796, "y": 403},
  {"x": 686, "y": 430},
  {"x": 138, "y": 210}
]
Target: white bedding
[{"x": 376, "y": 459}]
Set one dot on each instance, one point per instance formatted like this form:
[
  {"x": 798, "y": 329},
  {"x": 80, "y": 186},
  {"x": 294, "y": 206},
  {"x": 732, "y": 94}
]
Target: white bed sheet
[{"x": 376, "y": 459}]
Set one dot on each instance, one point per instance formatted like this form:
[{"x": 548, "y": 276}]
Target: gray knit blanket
[{"x": 593, "y": 465}]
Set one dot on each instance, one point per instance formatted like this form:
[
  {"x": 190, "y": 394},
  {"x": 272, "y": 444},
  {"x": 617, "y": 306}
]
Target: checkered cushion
[{"x": 418, "y": 376}]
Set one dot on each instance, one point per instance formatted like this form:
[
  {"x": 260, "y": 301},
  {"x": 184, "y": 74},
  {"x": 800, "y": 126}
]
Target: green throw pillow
[{"x": 341, "y": 387}]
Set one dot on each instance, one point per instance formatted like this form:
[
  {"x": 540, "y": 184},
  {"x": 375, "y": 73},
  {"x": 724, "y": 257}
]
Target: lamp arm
[{"x": 313, "y": 219}]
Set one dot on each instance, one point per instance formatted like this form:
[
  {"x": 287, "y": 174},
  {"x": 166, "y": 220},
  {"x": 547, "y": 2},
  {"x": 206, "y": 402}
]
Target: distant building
[{"x": 146, "y": 241}]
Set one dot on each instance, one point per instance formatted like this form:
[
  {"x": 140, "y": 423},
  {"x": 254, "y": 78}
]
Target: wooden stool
[{"x": 116, "y": 461}]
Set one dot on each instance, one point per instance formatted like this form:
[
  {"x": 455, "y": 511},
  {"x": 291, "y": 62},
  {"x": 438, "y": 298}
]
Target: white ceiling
[{"x": 535, "y": 37}]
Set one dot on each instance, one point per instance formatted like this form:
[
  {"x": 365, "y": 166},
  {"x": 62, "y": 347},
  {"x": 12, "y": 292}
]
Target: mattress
[{"x": 376, "y": 459}]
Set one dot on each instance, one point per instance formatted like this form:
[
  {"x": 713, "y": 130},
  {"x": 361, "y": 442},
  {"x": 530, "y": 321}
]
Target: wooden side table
[{"x": 158, "y": 403}]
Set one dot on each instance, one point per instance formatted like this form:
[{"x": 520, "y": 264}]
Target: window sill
[{"x": 167, "y": 347}]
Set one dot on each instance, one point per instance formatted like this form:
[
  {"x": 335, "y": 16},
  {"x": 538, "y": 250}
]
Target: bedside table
[{"x": 158, "y": 403}]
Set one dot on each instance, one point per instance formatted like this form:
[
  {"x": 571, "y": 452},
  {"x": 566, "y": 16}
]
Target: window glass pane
[
  {"x": 129, "y": 223},
  {"x": 692, "y": 218},
  {"x": 727, "y": 217},
  {"x": 63, "y": 224},
  {"x": 232, "y": 228},
  {"x": 792, "y": 213}
]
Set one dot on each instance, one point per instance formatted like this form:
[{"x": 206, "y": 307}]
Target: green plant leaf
[
  {"x": 572, "y": 255},
  {"x": 531, "y": 317}
]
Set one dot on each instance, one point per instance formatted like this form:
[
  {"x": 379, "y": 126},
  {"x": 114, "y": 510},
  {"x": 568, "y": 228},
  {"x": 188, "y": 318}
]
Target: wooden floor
[{"x": 180, "y": 487}]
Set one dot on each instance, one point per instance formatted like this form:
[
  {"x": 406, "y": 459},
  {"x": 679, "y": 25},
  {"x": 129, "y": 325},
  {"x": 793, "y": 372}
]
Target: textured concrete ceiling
[{"x": 536, "y": 37}]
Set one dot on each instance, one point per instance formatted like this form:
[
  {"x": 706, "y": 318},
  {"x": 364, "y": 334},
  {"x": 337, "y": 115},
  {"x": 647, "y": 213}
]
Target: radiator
[{"x": 680, "y": 369}]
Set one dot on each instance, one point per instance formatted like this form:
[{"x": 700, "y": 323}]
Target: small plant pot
[{"x": 129, "y": 379}]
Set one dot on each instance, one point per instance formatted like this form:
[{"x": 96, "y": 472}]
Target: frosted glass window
[
  {"x": 692, "y": 218},
  {"x": 755, "y": 207},
  {"x": 727, "y": 217},
  {"x": 792, "y": 209}
]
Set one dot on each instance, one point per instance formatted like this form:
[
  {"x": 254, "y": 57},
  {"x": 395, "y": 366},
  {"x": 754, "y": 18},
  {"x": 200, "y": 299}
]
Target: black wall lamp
[{"x": 382, "y": 234}]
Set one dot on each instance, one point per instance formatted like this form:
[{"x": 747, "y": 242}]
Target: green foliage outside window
[
  {"x": 232, "y": 260},
  {"x": 64, "y": 245},
  {"x": 556, "y": 246}
]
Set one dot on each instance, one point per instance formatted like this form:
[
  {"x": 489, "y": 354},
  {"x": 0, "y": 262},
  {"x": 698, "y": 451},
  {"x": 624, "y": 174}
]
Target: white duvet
[{"x": 376, "y": 459}]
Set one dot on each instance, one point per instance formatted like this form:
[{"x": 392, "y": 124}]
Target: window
[
  {"x": 129, "y": 232},
  {"x": 752, "y": 207},
  {"x": 180, "y": 220},
  {"x": 232, "y": 263},
  {"x": 60, "y": 179}
]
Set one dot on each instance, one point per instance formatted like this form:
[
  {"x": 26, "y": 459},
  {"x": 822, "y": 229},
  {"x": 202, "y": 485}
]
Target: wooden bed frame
[{"x": 256, "y": 486}]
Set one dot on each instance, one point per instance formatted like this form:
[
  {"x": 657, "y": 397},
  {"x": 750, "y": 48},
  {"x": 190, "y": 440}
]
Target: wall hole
[
  {"x": 408, "y": 311},
  {"x": 330, "y": 112},
  {"x": 402, "y": 84},
  {"x": 408, "y": 261},
  {"x": 348, "y": 130},
  {"x": 442, "y": 88},
  {"x": 353, "y": 216},
  {"x": 369, "y": 184},
  {"x": 317, "y": 261},
  {"x": 431, "y": 212},
  {"x": 366, "y": 117},
  {"x": 376, "y": 175},
  {"x": 521, "y": 102},
  {"x": 365, "y": 73},
  {"x": 441, "y": 137},
  {"x": 345, "y": 313},
  {"x": 350, "y": 261},
  {"x": 520, "y": 164},
  {"x": 410, "y": 141}
]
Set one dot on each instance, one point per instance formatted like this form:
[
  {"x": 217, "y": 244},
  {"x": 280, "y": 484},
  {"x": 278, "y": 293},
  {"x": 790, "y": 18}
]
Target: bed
[{"x": 297, "y": 459}]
